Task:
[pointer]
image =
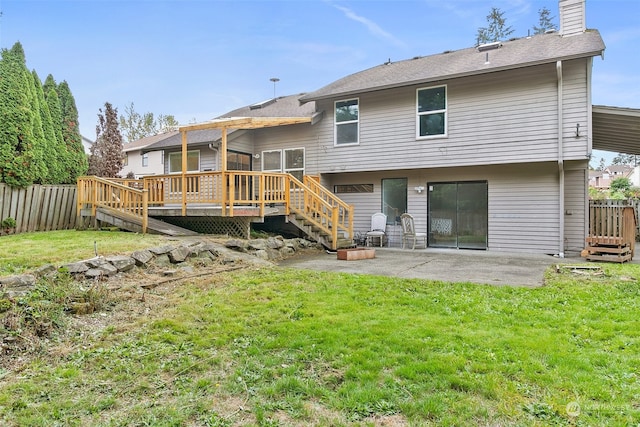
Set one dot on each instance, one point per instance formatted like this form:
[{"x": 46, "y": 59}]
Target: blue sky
[{"x": 197, "y": 59}]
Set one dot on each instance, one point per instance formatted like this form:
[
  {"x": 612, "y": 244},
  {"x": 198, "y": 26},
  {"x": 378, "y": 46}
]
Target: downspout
[{"x": 560, "y": 162}]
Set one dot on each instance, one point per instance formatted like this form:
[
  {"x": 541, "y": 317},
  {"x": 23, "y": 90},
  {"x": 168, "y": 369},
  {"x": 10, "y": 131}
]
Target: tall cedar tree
[
  {"x": 496, "y": 29},
  {"x": 20, "y": 164},
  {"x": 77, "y": 159},
  {"x": 62, "y": 154},
  {"x": 107, "y": 158},
  {"x": 43, "y": 127}
]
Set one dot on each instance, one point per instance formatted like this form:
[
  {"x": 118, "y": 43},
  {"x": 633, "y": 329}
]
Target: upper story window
[
  {"x": 347, "y": 122},
  {"x": 432, "y": 112},
  {"x": 145, "y": 160}
]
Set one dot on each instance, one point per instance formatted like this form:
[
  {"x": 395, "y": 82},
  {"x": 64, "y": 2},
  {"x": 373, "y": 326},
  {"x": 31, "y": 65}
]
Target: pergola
[{"x": 224, "y": 125}]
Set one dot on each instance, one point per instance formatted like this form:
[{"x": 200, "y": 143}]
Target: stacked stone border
[{"x": 256, "y": 251}]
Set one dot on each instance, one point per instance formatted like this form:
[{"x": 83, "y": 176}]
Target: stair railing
[
  {"x": 318, "y": 206},
  {"x": 97, "y": 192},
  {"x": 321, "y": 208},
  {"x": 345, "y": 211}
]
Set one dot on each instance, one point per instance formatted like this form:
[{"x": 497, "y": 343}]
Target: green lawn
[
  {"x": 22, "y": 252},
  {"x": 299, "y": 348}
]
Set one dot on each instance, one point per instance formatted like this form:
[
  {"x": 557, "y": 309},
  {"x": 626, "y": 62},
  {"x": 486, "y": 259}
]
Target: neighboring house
[
  {"x": 86, "y": 144},
  {"x": 487, "y": 147},
  {"x": 634, "y": 177},
  {"x": 602, "y": 179},
  {"x": 141, "y": 162}
]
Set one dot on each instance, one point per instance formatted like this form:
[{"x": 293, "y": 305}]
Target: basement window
[{"x": 353, "y": 188}]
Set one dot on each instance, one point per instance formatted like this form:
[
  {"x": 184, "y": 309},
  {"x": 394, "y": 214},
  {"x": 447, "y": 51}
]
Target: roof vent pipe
[{"x": 489, "y": 46}]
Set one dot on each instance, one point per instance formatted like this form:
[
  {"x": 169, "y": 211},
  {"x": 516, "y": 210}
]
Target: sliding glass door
[{"x": 458, "y": 214}]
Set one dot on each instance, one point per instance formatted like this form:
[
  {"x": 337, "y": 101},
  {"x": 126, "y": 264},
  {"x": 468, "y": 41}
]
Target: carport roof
[{"x": 616, "y": 129}]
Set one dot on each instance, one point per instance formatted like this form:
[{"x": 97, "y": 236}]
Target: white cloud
[{"x": 373, "y": 28}]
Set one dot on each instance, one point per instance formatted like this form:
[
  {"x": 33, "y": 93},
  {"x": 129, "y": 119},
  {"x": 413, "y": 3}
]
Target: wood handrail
[
  {"x": 227, "y": 189},
  {"x": 101, "y": 192}
]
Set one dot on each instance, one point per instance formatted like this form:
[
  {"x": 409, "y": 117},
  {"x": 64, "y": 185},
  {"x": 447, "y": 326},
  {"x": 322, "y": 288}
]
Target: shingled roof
[
  {"x": 517, "y": 53},
  {"x": 145, "y": 142},
  {"x": 284, "y": 106}
]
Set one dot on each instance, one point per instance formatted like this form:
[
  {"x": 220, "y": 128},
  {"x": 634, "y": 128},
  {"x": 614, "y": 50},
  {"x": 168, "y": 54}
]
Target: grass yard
[
  {"x": 278, "y": 347},
  {"x": 27, "y": 251}
]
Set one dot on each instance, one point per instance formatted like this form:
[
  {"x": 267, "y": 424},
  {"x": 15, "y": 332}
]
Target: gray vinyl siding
[
  {"x": 523, "y": 203},
  {"x": 575, "y": 109},
  {"x": 208, "y": 158},
  {"x": 241, "y": 141},
  {"x": 499, "y": 118},
  {"x": 287, "y": 137}
]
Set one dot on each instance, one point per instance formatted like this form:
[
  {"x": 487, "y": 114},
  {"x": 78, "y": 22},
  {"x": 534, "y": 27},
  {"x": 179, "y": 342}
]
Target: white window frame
[
  {"x": 283, "y": 160},
  {"x": 263, "y": 169},
  {"x": 145, "y": 160},
  {"x": 179, "y": 153},
  {"x": 336, "y": 124},
  {"x": 424, "y": 113}
]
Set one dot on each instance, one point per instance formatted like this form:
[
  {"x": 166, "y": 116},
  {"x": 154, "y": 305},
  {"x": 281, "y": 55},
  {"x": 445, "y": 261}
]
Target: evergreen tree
[
  {"x": 17, "y": 167},
  {"x": 77, "y": 159},
  {"x": 54, "y": 147},
  {"x": 62, "y": 154},
  {"x": 107, "y": 158},
  {"x": 545, "y": 21},
  {"x": 49, "y": 84},
  {"x": 43, "y": 153},
  {"x": 496, "y": 29}
]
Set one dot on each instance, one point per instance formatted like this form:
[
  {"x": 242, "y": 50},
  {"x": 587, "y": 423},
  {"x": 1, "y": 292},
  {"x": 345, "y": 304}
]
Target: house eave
[{"x": 443, "y": 77}]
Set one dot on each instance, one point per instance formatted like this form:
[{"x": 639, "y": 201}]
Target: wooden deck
[{"x": 229, "y": 194}]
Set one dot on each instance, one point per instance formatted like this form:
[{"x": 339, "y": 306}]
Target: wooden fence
[
  {"x": 634, "y": 203},
  {"x": 39, "y": 207}
]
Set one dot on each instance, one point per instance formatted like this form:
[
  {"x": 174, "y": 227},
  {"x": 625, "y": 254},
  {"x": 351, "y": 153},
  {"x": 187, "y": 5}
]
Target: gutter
[
  {"x": 560, "y": 161},
  {"x": 440, "y": 78}
]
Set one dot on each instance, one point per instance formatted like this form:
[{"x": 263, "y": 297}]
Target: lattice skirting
[{"x": 235, "y": 227}]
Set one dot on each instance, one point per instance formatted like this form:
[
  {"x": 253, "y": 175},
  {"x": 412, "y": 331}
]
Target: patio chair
[
  {"x": 409, "y": 232},
  {"x": 378, "y": 226}
]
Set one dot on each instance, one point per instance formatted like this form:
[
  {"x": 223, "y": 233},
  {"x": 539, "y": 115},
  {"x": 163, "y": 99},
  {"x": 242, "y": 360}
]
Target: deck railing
[
  {"x": 94, "y": 192},
  {"x": 228, "y": 190}
]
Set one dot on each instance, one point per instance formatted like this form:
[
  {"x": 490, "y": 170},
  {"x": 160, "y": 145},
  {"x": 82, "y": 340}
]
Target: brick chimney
[{"x": 572, "y": 17}]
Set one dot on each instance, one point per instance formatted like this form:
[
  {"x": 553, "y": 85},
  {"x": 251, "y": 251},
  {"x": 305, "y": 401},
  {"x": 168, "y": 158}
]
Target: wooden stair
[
  {"x": 243, "y": 194},
  {"x": 316, "y": 234}
]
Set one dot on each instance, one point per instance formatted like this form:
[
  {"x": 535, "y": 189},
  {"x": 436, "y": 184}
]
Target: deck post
[
  {"x": 184, "y": 172},
  {"x": 223, "y": 169},
  {"x": 145, "y": 210},
  {"x": 94, "y": 197},
  {"x": 334, "y": 227}
]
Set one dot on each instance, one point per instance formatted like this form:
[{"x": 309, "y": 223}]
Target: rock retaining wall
[{"x": 256, "y": 252}]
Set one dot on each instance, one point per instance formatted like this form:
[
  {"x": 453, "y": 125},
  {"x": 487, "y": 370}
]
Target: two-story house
[
  {"x": 487, "y": 147},
  {"x": 602, "y": 179}
]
